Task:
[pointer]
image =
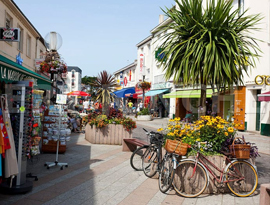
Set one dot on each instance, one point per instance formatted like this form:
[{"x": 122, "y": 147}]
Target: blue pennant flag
[{"x": 19, "y": 60}]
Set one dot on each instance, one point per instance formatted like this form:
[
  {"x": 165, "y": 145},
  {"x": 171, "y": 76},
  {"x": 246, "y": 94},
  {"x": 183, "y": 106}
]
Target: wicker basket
[
  {"x": 177, "y": 147},
  {"x": 240, "y": 151}
]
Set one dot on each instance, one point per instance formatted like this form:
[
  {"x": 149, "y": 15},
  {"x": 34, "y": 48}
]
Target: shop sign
[
  {"x": 10, "y": 75},
  {"x": 125, "y": 81},
  {"x": 262, "y": 79},
  {"x": 141, "y": 63},
  {"x": 9, "y": 34}
]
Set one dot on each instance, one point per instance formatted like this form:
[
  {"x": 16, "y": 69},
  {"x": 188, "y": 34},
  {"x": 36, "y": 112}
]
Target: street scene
[{"x": 146, "y": 102}]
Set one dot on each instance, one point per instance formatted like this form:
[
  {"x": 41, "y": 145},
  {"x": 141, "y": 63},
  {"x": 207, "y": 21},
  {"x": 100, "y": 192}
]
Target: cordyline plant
[
  {"x": 207, "y": 44},
  {"x": 104, "y": 84}
]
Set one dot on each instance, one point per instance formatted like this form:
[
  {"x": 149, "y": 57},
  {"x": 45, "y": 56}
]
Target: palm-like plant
[
  {"x": 104, "y": 85},
  {"x": 208, "y": 45}
]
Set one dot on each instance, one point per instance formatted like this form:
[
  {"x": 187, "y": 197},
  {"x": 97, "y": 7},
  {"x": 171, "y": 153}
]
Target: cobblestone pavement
[{"x": 101, "y": 174}]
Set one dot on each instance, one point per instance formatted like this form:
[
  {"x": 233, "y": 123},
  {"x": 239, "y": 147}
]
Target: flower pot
[{"x": 144, "y": 117}]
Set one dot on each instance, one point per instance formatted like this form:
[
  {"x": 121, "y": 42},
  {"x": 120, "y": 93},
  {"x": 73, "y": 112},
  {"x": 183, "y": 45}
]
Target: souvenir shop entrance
[{"x": 21, "y": 108}]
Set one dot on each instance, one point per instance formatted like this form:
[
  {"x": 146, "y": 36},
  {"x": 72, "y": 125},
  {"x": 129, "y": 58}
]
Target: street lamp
[{"x": 53, "y": 42}]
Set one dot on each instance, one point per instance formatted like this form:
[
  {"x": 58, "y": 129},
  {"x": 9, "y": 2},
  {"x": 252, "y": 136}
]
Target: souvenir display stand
[
  {"x": 56, "y": 115},
  {"x": 20, "y": 100}
]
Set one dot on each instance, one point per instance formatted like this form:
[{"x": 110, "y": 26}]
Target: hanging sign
[
  {"x": 9, "y": 34},
  {"x": 61, "y": 99},
  {"x": 141, "y": 63},
  {"x": 125, "y": 81}
]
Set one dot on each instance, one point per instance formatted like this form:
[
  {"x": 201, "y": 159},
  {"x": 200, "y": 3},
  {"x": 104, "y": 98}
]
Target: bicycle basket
[
  {"x": 240, "y": 151},
  {"x": 177, "y": 147}
]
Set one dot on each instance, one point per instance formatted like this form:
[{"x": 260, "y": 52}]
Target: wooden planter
[{"x": 111, "y": 134}]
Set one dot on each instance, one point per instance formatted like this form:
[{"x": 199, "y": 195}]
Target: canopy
[
  {"x": 121, "y": 93},
  {"x": 188, "y": 94},
  {"x": 154, "y": 92},
  {"x": 78, "y": 93},
  {"x": 264, "y": 97}
]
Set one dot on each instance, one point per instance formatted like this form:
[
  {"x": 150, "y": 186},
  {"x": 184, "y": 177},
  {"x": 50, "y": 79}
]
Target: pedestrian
[
  {"x": 85, "y": 105},
  {"x": 130, "y": 105},
  {"x": 141, "y": 105},
  {"x": 96, "y": 106}
]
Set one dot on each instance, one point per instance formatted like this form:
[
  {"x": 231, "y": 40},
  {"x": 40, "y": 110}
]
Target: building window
[
  {"x": 241, "y": 6},
  {"x": 73, "y": 74},
  {"x": 28, "y": 46},
  {"x": 20, "y": 43},
  {"x": 73, "y": 82},
  {"x": 9, "y": 22}
]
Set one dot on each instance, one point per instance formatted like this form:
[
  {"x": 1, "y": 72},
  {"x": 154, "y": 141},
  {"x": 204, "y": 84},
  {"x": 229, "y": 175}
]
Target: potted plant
[{"x": 144, "y": 114}]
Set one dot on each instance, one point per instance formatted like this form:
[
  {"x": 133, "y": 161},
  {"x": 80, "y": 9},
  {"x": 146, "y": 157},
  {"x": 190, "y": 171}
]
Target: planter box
[
  {"x": 144, "y": 117},
  {"x": 111, "y": 134}
]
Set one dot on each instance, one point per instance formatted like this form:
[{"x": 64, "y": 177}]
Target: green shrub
[{"x": 144, "y": 111}]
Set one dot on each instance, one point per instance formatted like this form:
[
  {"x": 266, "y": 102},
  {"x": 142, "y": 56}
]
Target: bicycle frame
[{"x": 199, "y": 159}]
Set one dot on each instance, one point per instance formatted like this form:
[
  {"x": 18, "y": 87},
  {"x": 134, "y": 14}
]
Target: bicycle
[
  {"x": 193, "y": 175},
  {"x": 152, "y": 158},
  {"x": 137, "y": 155}
]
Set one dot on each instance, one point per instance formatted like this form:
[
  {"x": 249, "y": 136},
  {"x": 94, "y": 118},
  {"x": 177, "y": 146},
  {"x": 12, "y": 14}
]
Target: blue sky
[{"x": 97, "y": 35}]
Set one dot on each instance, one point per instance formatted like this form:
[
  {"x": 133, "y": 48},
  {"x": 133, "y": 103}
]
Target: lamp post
[{"x": 53, "y": 42}]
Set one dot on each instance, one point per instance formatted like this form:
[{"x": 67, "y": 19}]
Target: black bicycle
[
  {"x": 152, "y": 158},
  {"x": 137, "y": 155}
]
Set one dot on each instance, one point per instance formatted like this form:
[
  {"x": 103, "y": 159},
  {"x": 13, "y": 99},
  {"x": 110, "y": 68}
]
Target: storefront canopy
[
  {"x": 188, "y": 94},
  {"x": 11, "y": 71},
  {"x": 121, "y": 93},
  {"x": 155, "y": 92},
  {"x": 264, "y": 97}
]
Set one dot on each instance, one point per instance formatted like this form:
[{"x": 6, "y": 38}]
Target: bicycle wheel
[
  {"x": 150, "y": 161},
  {"x": 166, "y": 174},
  {"x": 136, "y": 158},
  {"x": 245, "y": 186},
  {"x": 187, "y": 185}
]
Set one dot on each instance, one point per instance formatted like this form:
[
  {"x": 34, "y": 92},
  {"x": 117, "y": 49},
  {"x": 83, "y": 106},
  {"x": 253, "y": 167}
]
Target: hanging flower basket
[
  {"x": 53, "y": 67},
  {"x": 144, "y": 85}
]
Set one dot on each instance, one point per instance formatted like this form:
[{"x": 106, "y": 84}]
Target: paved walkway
[{"x": 101, "y": 174}]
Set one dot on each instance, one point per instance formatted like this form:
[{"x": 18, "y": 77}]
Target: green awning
[
  {"x": 11, "y": 71},
  {"x": 188, "y": 94}
]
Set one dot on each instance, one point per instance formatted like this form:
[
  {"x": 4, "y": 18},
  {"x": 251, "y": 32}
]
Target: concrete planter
[
  {"x": 111, "y": 134},
  {"x": 144, "y": 117}
]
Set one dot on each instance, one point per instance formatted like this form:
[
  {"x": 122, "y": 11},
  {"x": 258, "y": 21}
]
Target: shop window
[
  {"x": 20, "y": 43},
  {"x": 28, "y": 46},
  {"x": 73, "y": 82}
]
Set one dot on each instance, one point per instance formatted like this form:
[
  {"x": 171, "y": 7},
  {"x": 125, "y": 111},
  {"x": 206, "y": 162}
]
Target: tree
[
  {"x": 208, "y": 45},
  {"x": 104, "y": 84}
]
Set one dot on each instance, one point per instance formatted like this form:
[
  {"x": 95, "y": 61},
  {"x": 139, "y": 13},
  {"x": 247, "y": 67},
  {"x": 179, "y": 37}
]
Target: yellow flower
[
  {"x": 177, "y": 119},
  {"x": 160, "y": 129},
  {"x": 171, "y": 120},
  {"x": 230, "y": 129},
  {"x": 226, "y": 133},
  {"x": 198, "y": 139}
]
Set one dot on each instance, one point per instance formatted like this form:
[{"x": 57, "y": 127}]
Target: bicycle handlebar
[{"x": 145, "y": 130}]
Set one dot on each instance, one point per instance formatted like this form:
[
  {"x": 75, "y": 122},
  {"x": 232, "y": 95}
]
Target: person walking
[
  {"x": 141, "y": 105},
  {"x": 130, "y": 105}
]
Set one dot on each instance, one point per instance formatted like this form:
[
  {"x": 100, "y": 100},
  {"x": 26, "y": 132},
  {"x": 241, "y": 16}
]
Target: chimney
[{"x": 161, "y": 18}]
